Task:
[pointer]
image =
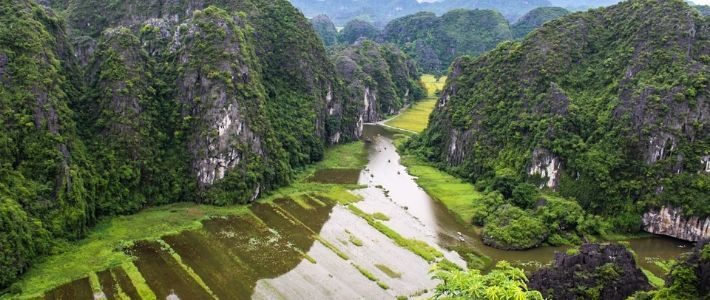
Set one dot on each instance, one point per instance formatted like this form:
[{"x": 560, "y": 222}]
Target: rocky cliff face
[
  {"x": 671, "y": 222},
  {"x": 383, "y": 77},
  {"x": 594, "y": 272},
  {"x": 139, "y": 103},
  {"x": 609, "y": 107}
]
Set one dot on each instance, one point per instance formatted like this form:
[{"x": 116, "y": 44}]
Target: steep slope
[
  {"x": 46, "y": 187},
  {"x": 379, "y": 75},
  {"x": 434, "y": 42},
  {"x": 151, "y": 102},
  {"x": 356, "y": 29},
  {"x": 608, "y": 107},
  {"x": 535, "y": 18},
  {"x": 325, "y": 29}
]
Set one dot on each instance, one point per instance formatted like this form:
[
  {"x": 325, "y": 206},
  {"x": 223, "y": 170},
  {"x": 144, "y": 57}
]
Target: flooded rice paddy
[{"x": 313, "y": 247}]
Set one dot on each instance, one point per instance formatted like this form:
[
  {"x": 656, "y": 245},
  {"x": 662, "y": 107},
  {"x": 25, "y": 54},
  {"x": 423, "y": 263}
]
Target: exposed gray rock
[
  {"x": 671, "y": 222},
  {"x": 610, "y": 267},
  {"x": 546, "y": 165}
]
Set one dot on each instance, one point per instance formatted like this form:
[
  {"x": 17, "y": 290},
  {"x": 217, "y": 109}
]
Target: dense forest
[
  {"x": 105, "y": 111},
  {"x": 607, "y": 109},
  {"x": 382, "y": 75},
  {"x": 536, "y": 18},
  {"x": 434, "y": 42}
]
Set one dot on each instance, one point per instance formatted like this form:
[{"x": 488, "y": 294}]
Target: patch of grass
[
  {"x": 417, "y": 247},
  {"x": 371, "y": 276},
  {"x": 344, "y": 156},
  {"x": 332, "y": 247},
  {"x": 457, "y": 195},
  {"x": 654, "y": 280},
  {"x": 305, "y": 255},
  {"x": 665, "y": 265},
  {"x": 432, "y": 85},
  {"x": 94, "y": 282},
  {"x": 187, "y": 269},
  {"x": 103, "y": 247},
  {"x": 302, "y": 202},
  {"x": 415, "y": 118},
  {"x": 473, "y": 258},
  {"x": 391, "y": 273},
  {"x": 366, "y": 273},
  {"x": 138, "y": 281},
  {"x": 448, "y": 265},
  {"x": 355, "y": 241},
  {"x": 380, "y": 216}
]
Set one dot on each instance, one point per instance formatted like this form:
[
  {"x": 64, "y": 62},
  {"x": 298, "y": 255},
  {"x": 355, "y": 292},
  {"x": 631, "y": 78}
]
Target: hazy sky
[{"x": 706, "y": 2}]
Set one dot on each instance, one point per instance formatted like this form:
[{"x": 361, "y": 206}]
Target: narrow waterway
[
  {"x": 312, "y": 246},
  {"x": 385, "y": 170}
]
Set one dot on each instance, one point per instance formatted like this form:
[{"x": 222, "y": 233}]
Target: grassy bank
[
  {"x": 457, "y": 195},
  {"x": 416, "y": 118},
  {"x": 103, "y": 248}
]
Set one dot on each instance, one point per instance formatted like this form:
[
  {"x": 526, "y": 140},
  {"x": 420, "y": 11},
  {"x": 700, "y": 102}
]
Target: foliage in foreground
[{"x": 503, "y": 282}]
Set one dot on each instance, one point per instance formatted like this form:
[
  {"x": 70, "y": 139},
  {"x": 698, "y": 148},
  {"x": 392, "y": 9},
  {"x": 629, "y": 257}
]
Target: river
[{"x": 318, "y": 248}]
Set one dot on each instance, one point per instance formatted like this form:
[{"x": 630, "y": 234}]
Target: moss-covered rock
[
  {"x": 133, "y": 103},
  {"x": 593, "y": 272},
  {"x": 380, "y": 76},
  {"x": 434, "y": 42},
  {"x": 607, "y": 107}
]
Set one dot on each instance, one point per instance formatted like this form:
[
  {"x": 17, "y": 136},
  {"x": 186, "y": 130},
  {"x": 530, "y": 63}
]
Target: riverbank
[{"x": 104, "y": 248}]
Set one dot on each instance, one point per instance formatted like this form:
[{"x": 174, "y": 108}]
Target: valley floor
[{"x": 416, "y": 118}]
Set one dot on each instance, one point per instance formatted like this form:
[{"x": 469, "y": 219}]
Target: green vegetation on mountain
[
  {"x": 116, "y": 106},
  {"x": 607, "y": 109},
  {"x": 380, "y": 75},
  {"x": 104, "y": 247},
  {"x": 434, "y": 42},
  {"x": 536, "y": 18},
  {"x": 47, "y": 183},
  {"x": 325, "y": 28},
  {"x": 357, "y": 29}
]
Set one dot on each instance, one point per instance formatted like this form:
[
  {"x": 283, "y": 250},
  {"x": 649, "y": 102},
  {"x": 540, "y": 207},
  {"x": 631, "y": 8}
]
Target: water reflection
[
  {"x": 305, "y": 247},
  {"x": 385, "y": 171}
]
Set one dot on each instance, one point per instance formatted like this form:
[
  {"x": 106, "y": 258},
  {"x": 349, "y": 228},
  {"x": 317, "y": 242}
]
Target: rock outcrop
[
  {"x": 594, "y": 272},
  {"x": 382, "y": 77},
  {"x": 111, "y": 106},
  {"x": 670, "y": 221},
  {"x": 577, "y": 104}
]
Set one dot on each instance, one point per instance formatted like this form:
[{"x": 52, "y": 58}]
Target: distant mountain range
[{"x": 380, "y": 12}]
